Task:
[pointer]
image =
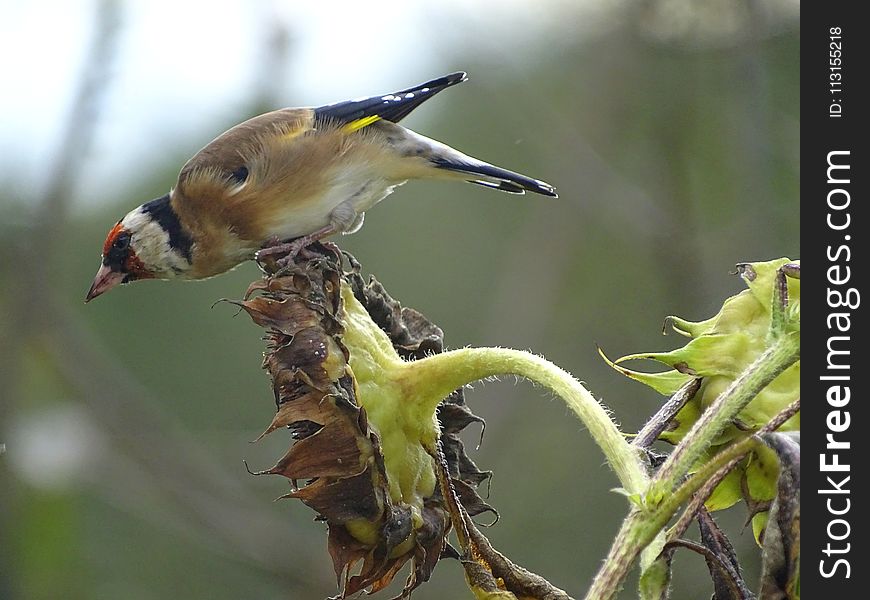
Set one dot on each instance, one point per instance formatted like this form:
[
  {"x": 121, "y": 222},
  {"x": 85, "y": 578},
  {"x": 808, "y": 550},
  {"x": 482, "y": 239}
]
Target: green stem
[
  {"x": 691, "y": 485},
  {"x": 642, "y": 526},
  {"x": 711, "y": 473},
  {"x": 447, "y": 371}
]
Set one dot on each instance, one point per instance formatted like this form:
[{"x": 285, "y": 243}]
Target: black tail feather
[
  {"x": 390, "y": 107},
  {"x": 498, "y": 178}
]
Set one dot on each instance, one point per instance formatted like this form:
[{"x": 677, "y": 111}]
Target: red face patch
[
  {"x": 120, "y": 256},
  {"x": 110, "y": 239}
]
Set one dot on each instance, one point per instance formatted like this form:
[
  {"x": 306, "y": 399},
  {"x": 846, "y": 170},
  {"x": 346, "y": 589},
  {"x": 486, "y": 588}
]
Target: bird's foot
[
  {"x": 281, "y": 250},
  {"x": 278, "y": 257},
  {"x": 283, "y": 253}
]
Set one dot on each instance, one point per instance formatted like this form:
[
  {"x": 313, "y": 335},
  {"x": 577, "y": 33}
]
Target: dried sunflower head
[{"x": 365, "y": 447}]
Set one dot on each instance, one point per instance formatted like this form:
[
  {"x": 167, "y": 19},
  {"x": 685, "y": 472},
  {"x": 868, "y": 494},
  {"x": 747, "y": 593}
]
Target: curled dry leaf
[
  {"x": 781, "y": 554},
  {"x": 728, "y": 582}
]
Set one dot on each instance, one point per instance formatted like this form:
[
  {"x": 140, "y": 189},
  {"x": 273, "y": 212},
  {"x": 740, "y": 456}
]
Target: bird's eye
[
  {"x": 240, "y": 174},
  {"x": 122, "y": 242}
]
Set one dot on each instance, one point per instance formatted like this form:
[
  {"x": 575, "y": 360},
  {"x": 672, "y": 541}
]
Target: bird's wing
[
  {"x": 356, "y": 114},
  {"x": 257, "y": 149},
  {"x": 226, "y": 152}
]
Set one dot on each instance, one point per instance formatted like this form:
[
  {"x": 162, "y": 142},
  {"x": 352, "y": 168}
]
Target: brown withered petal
[
  {"x": 342, "y": 500},
  {"x": 346, "y": 551},
  {"x": 334, "y": 450},
  {"x": 431, "y": 538},
  {"x": 327, "y": 453},
  {"x": 412, "y": 334},
  {"x": 463, "y": 468},
  {"x": 456, "y": 416},
  {"x": 473, "y": 503}
]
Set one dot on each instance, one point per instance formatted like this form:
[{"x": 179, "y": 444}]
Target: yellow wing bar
[{"x": 358, "y": 124}]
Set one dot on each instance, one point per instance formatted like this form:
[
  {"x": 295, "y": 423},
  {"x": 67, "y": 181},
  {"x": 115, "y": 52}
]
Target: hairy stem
[
  {"x": 454, "y": 369},
  {"x": 641, "y": 527}
]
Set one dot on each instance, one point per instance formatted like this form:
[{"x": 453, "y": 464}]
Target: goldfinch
[{"x": 296, "y": 174}]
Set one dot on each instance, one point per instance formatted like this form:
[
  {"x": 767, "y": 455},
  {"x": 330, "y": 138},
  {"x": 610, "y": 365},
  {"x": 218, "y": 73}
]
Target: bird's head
[{"x": 147, "y": 243}]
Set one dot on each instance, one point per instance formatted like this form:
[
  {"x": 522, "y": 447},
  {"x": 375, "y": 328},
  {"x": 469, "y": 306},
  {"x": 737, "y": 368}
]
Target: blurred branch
[
  {"x": 34, "y": 262},
  {"x": 52, "y": 207},
  {"x": 81, "y": 124}
]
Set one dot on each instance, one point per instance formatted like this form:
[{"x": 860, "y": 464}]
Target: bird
[{"x": 283, "y": 180}]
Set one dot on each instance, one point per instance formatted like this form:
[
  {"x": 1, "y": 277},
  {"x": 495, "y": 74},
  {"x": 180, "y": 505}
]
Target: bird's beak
[{"x": 105, "y": 280}]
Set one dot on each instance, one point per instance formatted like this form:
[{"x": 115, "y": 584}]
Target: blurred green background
[{"x": 669, "y": 127}]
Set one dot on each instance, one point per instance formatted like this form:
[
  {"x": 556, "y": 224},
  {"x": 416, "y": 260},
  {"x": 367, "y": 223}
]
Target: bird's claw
[
  {"x": 288, "y": 259},
  {"x": 275, "y": 258},
  {"x": 281, "y": 256}
]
